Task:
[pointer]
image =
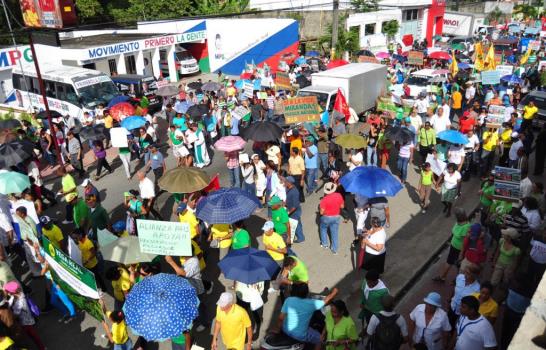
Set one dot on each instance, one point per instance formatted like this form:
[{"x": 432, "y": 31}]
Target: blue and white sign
[{"x": 491, "y": 77}]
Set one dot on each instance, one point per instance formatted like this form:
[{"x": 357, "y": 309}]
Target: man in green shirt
[
  {"x": 81, "y": 211},
  {"x": 279, "y": 216},
  {"x": 98, "y": 217},
  {"x": 241, "y": 237},
  {"x": 295, "y": 270},
  {"x": 487, "y": 192}
]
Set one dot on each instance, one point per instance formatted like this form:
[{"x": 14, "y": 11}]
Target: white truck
[
  {"x": 464, "y": 24},
  {"x": 361, "y": 84}
]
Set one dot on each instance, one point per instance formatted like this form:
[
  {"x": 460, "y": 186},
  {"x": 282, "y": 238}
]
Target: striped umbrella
[{"x": 230, "y": 143}]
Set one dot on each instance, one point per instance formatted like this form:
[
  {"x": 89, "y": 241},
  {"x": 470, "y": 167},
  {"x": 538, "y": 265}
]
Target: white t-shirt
[
  {"x": 446, "y": 109},
  {"x": 538, "y": 252},
  {"x": 400, "y": 321},
  {"x": 433, "y": 332},
  {"x": 474, "y": 334},
  {"x": 470, "y": 92},
  {"x": 473, "y": 141},
  {"x": 450, "y": 180},
  {"x": 456, "y": 154},
  {"x": 380, "y": 237},
  {"x": 513, "y": 154},
  {"x": 508, "y": 113},
  {"x": 439, "y": 123},
  {"x": 146, "y": 188},
  {"x": 422, "y": 105}
]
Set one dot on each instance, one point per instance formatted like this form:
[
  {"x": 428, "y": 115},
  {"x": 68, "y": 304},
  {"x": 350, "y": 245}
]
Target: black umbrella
[
  {"x": 167, "y": 91},
  {"x": 197, "y": 111},
  {"x": 400, "y": 134},
  {"x": 43, "y": 115},
  {"x": 195, "y": 85},
  {"x": 93, "y": 133},
  {"x": 262, "y": 132},
  {"x": 10, "y": 124},
  {"x": 302, "y": 81},
  {"x": 211, "y": 86},
  {"x": 13, "y": 153}
]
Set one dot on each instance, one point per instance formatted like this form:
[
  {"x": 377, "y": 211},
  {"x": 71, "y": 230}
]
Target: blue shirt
[
  {"x": 293, "y": 199},
  {"x": 311, "y": 162},
  {"x": 298, "y": 313},
  {"x": 180, "y": 123},
  {"x": 462, "y": 290},
  {"x": 157, "y": 160},
  {"x": 234, "y": 126},
  {"x": 517, "y": 302}
]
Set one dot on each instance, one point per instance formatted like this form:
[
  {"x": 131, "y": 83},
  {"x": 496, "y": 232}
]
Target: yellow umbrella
[
  {"x": 184, "y": 180},
  {"x": 351, "y": 141}
]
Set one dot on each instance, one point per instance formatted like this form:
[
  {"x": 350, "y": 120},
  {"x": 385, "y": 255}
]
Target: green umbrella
[
  {"x": 13, "y": 182},
  {"x": 351, "y": 141},
  {"x": 458, "y": 46},
  {"x": 126, "y": 251},
  {"x": 184, "y": 180}
]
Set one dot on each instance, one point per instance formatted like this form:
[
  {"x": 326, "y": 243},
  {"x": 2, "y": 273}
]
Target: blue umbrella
[
  {"x": 118, "y": 99},
  {"x": 182, "y": 106},
  {"x": 248, "y": 265},
  {"x": 463, "y": 65},
  {"x": 312, "y": 53},
  {"x": 453, "y": 136},
  {"x": 512, "y": 79},
  {"x": 161, "y": 307},
  {"x": 399, "y": 58},
  {"x": 300, "y": 60},
  {"x": 371, "y": 182},
  {"x": 133, "y": 122},
  {"x": 227, "y": 205}
]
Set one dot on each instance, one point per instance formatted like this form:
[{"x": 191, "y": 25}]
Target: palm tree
[
  {"x": 390, "y": 28},
  {"x": 347, "y": 40},
  {"x": 526, "y": 11}
]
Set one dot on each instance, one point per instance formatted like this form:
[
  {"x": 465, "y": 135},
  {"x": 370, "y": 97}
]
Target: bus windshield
[{"x": 101, "y": 92}]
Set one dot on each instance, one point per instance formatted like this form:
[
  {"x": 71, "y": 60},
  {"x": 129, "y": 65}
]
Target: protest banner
[
  {"x": 301, "y": 109},
  {"x": 248, "y": 87},
  {"x": 507, "y": 184},
  {"x": 490, "y": 77},
  {"x": 416, "y": 58},
  {"x": 498, "y": 58},
  {"x": 118, "y": 136},
  {"x": 74, "y": 251},
  {"x": 282, "y": 81},
  {"x": 504, "y": 70},
  {"x": 495, "y": 116},
  {"x": 534, "y": 45},
  {"x": 76, "y": 281},
  {"x": 262, "y": 95},
  {"x": 367, "y": 59},
  {"x": 164, "y": 237},
  {"x": 239, "y": 112},
  {"x": 436, "y": 165},
  {"x": 293, "y": 227}
]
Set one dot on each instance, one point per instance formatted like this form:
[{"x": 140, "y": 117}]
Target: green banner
[{"x": 76, "y": 281}]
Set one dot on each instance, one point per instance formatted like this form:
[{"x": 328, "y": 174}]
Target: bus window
[
  {"x": 71, "y": 95},
  {"x": 61, "y": 93},
  {"x": 35, "y": 86},
  {"x": 17, "y": 83},
  {"x": 50, "y": 89}
]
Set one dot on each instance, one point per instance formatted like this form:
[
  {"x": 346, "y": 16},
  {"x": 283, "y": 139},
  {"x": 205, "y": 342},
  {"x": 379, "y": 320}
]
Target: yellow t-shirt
[
  {"x": 122, "y": 285},
  {"x": 189, "y": 217},
  {"x": 296, "y": 143},
  {"x": 5, "y": 343},
  {"x": 233, "y": 325},
  {"x": 492, "y": 143},
  {"x": 457, "y": 98},
  {"x": 506, "y": 137},
  {"x": 54, "y": 235},
  {"x": 119, "y": 331},
  {"x": 86, "y": 247},
  {"x": 231, "y": 91},
  {"x": 276, "y": 241},
  {"x": 221, "y": 231},
  {"x": 529, "y": 112},
  {"x": 296, "y": 165},
  {"x": 488, "y": 309},
  {"x": 108, "y": 121}
]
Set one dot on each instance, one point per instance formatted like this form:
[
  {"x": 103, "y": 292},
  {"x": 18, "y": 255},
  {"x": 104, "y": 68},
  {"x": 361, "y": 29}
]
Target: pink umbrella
[
  {"x": 230, "y": 143},
  {"x": 441, "y": 71},
  {"x": 440, "y": 55},
  {"x": 382, "y": 55}
]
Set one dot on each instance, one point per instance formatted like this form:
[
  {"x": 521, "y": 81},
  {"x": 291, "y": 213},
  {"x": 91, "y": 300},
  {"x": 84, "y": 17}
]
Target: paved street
[{"x": 414, "y": 239}]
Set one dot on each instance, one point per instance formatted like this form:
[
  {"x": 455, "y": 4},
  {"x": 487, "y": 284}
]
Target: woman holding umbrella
[{"x": 451, "y": 187}]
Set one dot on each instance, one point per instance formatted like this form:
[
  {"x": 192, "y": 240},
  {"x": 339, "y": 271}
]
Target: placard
[
  {"x": 490, "y": 77},
  {"x": 74, "y": 251},
  {"x": 507, "y": 183},
  {"x": 164, "y": 237},
  {"x": 301, "y": 109},
  {"x": 504, "y": 70},
  {"x": 436, "y": 165},
  {"x": 293, "y": 226},
  {"x": 367, "y": 59},
  {"x": 534, "y": 45},
  {"x": 77, "y": 282},
  {"x": 118, "y": 136},
  {"x": 507, "y": 174},
  {"x": 495, "y": 116},
  {"x": 248, "y": 88},
  {"x": 282, "y": 81},
  {"x": 262, "y": 95},
  {"x": 239, "y": 112},
  {"x": 416, "y": 58}
]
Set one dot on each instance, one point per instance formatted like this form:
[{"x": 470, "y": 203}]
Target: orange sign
[
  {"x": 367, "y": 59},
  {"x": 301, "y": 109},
  {"x": 416, "y": 58},
  {"x": 48, "y": 13},
  {"x": 282, "y": 81}
]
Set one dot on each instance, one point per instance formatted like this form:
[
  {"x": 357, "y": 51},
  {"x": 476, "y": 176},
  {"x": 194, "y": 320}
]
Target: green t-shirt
[
  {"x": 180, "y": 340},
  {"x": 124, "y": 150},
  {"x": 488, "y": 190},
  {"x": 81, "y": 212},
  {"x": 173, "y": 138},
  {"x": 241, "y": 239},
  {"x": 280, "y": 219},
  {"x": 507, "y": 257},
  {"x": 459, "y": 232},
  {"x": 144, "y": 102},
  {"x": 299, "y": 272},
  {"x": 499, "y": 208}
]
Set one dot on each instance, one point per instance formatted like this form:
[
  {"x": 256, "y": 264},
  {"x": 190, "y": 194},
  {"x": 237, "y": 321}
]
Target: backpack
[{"x": 387, "y": 334}]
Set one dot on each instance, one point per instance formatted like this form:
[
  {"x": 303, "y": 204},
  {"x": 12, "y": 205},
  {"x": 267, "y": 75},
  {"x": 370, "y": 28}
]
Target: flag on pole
[
  {"x": 341, "y": 106},
  {"x": 213, "y": 185},
  {"x": 490, "y": 63},
  {"x": 525, "y": 57},
  {"x": 478, "y": 60},
  {"x": 453, "y": 67}
]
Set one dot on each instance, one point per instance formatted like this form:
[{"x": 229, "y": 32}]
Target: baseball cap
[
  {"x": 225, "y": 299},
  {"x": 290, "y": 179},
  {"x": 268, "y": 225},
  {"x": 71, "y": 196},
  {"x": 275, "y": 200},
  {"x": 44, "y": 220},
  {"x": 85, "y": 182}
]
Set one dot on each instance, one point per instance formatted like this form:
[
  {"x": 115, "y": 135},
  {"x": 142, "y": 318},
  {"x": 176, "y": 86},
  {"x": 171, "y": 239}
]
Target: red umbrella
[
  {"x": 336, "y": 63},
  {"x": 122, "y": 110},
  {"x": 246, "y": 75},
  {"x": 440, "y": 55}
]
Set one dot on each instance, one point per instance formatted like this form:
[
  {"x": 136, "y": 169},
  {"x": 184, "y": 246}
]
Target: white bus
[{"x": 69, "y": 90}]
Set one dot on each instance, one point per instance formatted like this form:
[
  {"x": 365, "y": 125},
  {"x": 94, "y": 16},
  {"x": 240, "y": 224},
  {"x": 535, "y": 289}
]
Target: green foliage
[
  {"x": 365, "y": 5},
  {"x": 526, "y": 11},
  {"x": 495, "y": 15},
  {"x": 347, "y": 40},
  {"x": 390, "y": 28},
  {"x": 144, "y": 10},
  {"x": 88, "y": 9},
  {"x": 215, "y": 7}
]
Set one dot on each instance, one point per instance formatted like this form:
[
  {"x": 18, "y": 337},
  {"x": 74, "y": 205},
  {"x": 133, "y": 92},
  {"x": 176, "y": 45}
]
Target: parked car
[
  {"x": 135, "y": 85},
  {"x": 539, "y": 98}
]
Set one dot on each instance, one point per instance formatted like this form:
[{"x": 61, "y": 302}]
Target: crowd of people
[{"x": 498, "y": 248}]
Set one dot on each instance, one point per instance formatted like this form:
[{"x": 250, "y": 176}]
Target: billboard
[{"x": 48, "y": 13}]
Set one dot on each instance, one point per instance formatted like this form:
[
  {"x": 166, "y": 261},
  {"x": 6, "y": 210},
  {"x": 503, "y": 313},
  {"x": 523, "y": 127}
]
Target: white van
[
  {"x": 184, "y": 61},
  {"x": 419, "y": 81}
]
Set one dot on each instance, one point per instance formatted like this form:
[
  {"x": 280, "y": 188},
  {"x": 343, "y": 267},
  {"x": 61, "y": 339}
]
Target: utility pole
[{"x": 335, "y": 25}]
